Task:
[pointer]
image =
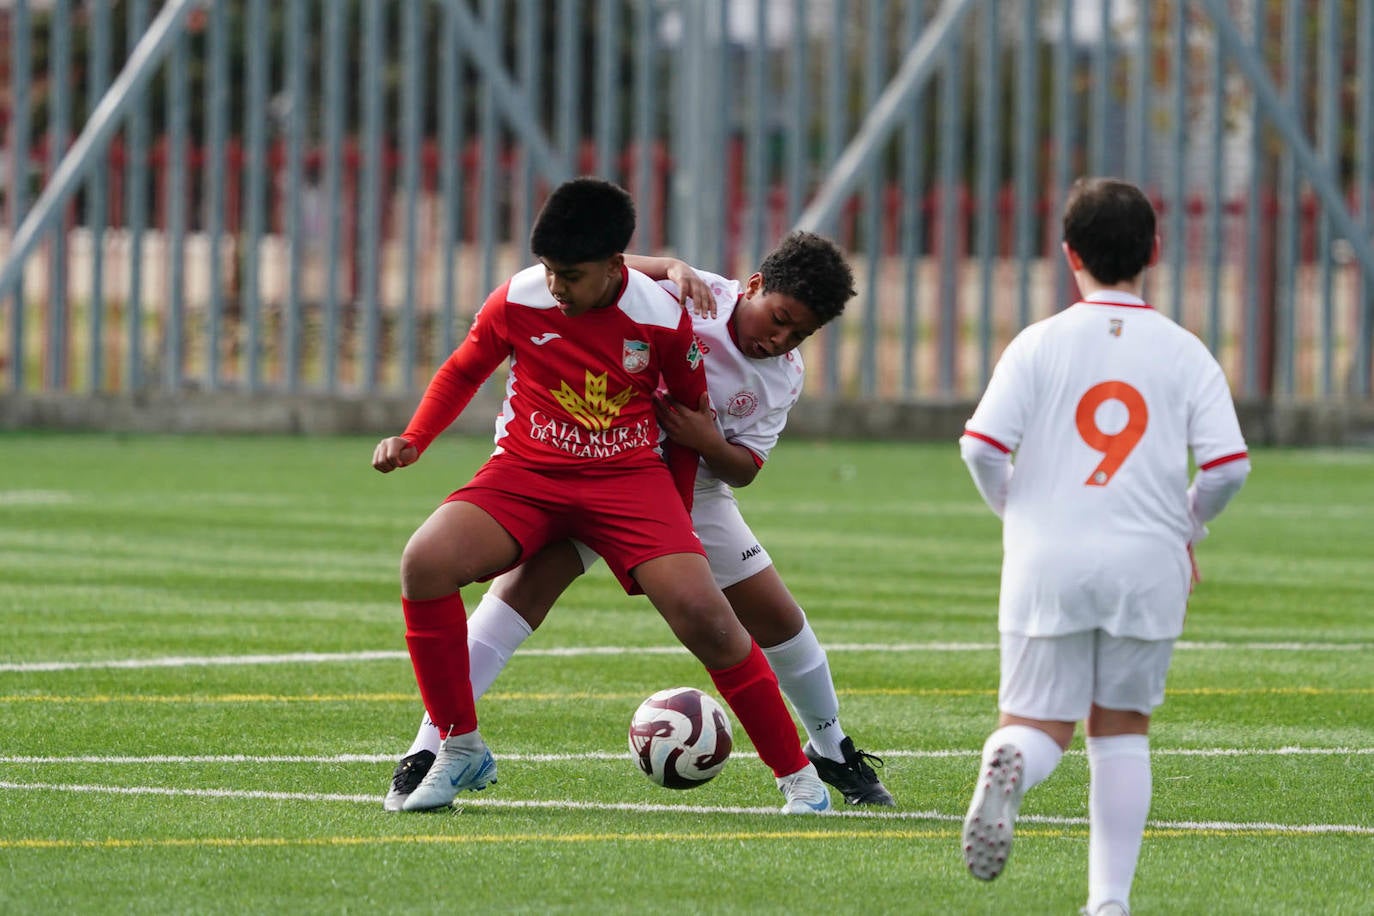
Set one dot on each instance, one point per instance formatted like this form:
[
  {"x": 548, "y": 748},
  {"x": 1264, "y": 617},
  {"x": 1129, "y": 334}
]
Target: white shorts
[
  {"x": 1059, "y": 678},
  {"x": 733, "y": 551}
]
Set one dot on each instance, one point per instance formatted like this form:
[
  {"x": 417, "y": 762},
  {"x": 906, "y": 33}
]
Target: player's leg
[
  {"x": 458, "y": 544},
  {"x": 514, "y": 605},
  {"x": 658, "y": 553},
  {"x": 772, "y": 616},
  {"x": 762, "y": 602},
  {"x": 1129, "y": 686},
  {"x": 681, "y": 588},
  {"x": 1046, "y": 687}
]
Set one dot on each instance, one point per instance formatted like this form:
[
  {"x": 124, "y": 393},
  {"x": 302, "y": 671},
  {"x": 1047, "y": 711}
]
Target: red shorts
[{"x": 627, "y": 515}]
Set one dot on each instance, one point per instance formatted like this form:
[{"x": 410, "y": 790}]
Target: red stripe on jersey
[
  {"x": 758, "y": 462},
  {"x": 1119, "y": 305},
  {"x": 1225, "y": 459},
  {"x": 988, "y": 439}
]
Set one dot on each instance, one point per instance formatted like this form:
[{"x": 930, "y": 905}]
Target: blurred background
[{"x": 281, "y": 216}]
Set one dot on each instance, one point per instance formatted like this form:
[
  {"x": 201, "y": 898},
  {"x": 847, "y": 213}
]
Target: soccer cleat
[
  {"x": 805, "y": 793},
  {"x": 1110, "y": 908},
  {"x": 992, "y": 813},
  {"x": 463, "y": 763},
  {"x": 855, "y": 777},
  {"x": 406, "y": 777}
]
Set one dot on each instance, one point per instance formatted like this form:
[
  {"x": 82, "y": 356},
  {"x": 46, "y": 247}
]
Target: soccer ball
[{"x": 680, "y": 737}]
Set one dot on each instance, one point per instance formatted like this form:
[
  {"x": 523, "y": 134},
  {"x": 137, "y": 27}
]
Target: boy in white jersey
[
  {"x": 747, "y": 333},
  {"x": 1101, "y": 405}
]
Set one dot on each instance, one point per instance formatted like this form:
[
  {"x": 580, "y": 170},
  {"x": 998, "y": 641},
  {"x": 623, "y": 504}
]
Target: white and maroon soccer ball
[{"x": 680, "y": 737}]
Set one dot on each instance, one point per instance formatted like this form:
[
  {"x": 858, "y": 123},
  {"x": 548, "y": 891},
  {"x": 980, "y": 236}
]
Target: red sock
[
  {"x": 437, "y": 637},
  {"x": 751, "y": 689}
]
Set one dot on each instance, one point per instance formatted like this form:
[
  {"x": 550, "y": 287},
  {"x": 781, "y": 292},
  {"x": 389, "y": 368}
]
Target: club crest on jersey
[
  {"x": 694, "y": 354},
  {"x": 592, "y": 408},
  {"x": 742, "y": 404},
  {"x": 634, "y": 356},
  {"x": 1114, "y": 327}
]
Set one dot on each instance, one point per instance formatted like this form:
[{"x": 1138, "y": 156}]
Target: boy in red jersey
[{"x": 576, "y": 456}]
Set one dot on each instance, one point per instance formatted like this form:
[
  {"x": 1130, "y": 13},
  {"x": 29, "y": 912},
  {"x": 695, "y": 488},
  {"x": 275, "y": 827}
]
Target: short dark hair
[
  {"x": 585, "y": 219},
  {"x": 1110, "y": 224},
  {"x": 812, "y": 270}
]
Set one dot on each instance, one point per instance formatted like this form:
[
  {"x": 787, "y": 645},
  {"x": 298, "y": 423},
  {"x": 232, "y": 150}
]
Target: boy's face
[
  {"x": 583, "y": 286},
  {"x": 771, "y": 323}
]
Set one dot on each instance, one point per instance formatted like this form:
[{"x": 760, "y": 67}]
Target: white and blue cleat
[{"x": 463, "y": 764}]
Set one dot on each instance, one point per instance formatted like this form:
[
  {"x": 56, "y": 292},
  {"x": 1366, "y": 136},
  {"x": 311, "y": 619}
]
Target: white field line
[
  {"x": 324, "y": 658},
  {"x": 624, "y": 755},
  {"x": 564, "y": 805}
]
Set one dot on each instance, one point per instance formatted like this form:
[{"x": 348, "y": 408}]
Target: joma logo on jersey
[{"x": 592, "y": 408}]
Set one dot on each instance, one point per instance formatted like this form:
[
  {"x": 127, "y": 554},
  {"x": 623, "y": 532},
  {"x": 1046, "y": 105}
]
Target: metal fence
[{"x": 313, "y": 196}]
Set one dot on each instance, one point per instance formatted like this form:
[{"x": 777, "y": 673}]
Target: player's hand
[
  {"x": 692, "y": 287},
  {"x": 394, "y": 453},
  {"x": 695, "y": 429},
  {"x": 1196, "y": 573}
]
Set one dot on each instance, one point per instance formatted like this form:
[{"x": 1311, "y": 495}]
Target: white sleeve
[
  {"x": 991, "y": 469},
  {"x": 1212, "y": 489},
  {"x": 1218, "y": 447},
  {"x": 1007, "y": 404}
]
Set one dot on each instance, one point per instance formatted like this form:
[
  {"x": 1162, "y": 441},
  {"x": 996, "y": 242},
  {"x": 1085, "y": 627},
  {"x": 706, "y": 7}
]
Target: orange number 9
[{"x": 1113, "y": 446}]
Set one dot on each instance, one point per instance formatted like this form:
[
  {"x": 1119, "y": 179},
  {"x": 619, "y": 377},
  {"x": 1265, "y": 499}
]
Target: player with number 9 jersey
[{"x": 1101, "y": 404}]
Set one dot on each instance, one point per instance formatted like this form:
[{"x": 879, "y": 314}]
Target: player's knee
[
  {"x": 429, "y": 572},
  {"x": 710, "y": 631},
  {"x": 1103, "y": 722}
]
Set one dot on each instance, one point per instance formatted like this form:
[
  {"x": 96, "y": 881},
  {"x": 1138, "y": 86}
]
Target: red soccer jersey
[{"x": 580, "y": 389}]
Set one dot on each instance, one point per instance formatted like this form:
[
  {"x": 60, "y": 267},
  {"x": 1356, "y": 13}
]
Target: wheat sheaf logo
[{"x": 592, "y": 409}]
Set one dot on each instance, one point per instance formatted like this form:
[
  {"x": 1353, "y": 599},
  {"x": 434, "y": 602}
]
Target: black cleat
[
  {"x": 855, "y": 777},
  {"x": 407, "y": 777}
]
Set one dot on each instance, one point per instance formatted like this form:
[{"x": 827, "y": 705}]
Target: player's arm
[
  {"x": 998, "y": 422},
  {"x": 1215, "y": 438},
  {"x": 1213, "y": 486},
  {"x": 989, "y": 463},
  {"x": 689, "y": 284},
  {"x": 696, "y": 429},
  {"x": 683, "y": 375},
  {"x": 450, "y": 390}
]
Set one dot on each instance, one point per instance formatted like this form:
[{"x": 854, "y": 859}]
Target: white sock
[
  {"x": 803, "y": 673},
  {"x": 1118, "y": 805},
  {"x": 1040, "y": 753},
  {"x": 495, "y": 631},
  {"x": 426, "y": 739}
]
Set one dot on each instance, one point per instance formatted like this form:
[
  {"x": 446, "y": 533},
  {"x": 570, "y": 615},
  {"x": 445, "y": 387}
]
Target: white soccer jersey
[
  {"x": 1101, "y": 405},
  {"x": 751, "y": 397}
]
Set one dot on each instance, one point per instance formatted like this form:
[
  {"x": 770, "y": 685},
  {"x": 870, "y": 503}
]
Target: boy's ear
[
  {"x": 754, "y": 285},
  {"x": 614, "y": 263},
  {"x": 1076, "y": 263},
  {"x": 1154, "y": 253}
]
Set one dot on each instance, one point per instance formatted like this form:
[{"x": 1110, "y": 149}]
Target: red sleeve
[
  {"x": 458, "y": 379},
  {"x": 684, "y": 377}
]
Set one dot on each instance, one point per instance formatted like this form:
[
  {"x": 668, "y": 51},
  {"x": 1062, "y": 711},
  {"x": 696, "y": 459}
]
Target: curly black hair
[
  {"x": 812, "y": 270},
  {"x": 585, "y": 219}
]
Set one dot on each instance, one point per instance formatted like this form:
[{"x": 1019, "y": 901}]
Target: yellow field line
[{"x": 582, "y": 697}]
